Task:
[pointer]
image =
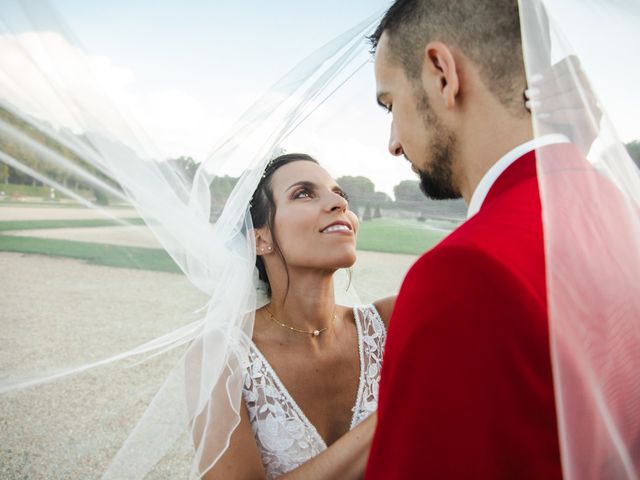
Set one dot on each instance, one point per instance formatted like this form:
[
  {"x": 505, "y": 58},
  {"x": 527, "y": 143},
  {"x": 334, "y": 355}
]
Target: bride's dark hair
[{"x": 263, "y": 208}]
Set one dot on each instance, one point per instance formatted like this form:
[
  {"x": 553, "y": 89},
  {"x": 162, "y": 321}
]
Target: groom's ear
[{"x": 440, "y": 73}]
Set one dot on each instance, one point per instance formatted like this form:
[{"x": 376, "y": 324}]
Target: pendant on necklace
[{"x": 316, "y": 333}]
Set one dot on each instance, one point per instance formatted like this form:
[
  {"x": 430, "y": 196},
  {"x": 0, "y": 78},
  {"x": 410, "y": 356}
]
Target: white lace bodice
[{"x": 285, "y": 437}]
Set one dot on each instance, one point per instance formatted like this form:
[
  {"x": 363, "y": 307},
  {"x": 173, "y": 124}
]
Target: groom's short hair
[{"x": 486, "y": 31}]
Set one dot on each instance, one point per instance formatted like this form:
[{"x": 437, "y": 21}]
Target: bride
[{"x": 314, "y": 366}]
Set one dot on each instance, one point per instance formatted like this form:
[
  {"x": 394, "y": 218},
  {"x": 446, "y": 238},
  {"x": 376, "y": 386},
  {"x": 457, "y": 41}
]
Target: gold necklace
[{"x": 313, "y": 333}]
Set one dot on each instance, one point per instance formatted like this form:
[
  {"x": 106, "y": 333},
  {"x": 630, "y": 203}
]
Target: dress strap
[{"x": 371, "y": 335}]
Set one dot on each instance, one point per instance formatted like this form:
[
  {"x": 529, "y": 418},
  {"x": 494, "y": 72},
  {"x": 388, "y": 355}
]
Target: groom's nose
[{"x": 394, "y": 145}]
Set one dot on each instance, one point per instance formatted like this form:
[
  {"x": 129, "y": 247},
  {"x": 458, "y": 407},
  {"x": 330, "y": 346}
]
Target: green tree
[
  {"x": 408, "y": 192},
  {"x": 381, "y": 199},
  {"x": 367, "y": 213},
  {"x": 634, "y": 151},
  {"x": 101, "y": 196},
  {"x": 185, "y": 166},
  {"x": 12, "y": 145},
  {"x": 410, "y": 197},
  {"x": 4, "y": 173},
  {"x": 360, "y": 189},
  {"x": 220, "y": 188}
]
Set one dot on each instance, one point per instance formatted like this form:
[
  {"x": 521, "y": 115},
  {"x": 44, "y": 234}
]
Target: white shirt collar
[{"x": 489, "y": 178}]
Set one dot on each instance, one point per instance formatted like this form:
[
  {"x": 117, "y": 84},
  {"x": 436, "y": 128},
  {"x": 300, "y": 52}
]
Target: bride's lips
[{"x": 339, "y": 227}]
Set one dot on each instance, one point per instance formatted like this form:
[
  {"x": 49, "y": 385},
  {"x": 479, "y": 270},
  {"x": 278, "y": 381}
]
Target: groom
[{"x": 467, "y": 388}]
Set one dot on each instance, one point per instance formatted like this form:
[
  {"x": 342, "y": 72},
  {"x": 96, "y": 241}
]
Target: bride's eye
[
  {"x": 302, "y": 193},
  {"x": 343, "y": 194}
]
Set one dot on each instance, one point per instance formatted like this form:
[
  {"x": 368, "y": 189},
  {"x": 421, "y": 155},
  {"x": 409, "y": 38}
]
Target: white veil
[
  {"x": 591, "y": 219},
  {"x": 75, "y": 126}
]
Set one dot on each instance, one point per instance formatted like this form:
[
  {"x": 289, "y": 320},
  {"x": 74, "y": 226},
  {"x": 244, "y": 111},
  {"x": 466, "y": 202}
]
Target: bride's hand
[{"x": 345, "y": 459}]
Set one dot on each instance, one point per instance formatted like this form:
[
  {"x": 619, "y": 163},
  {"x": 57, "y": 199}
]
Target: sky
[
  {"x": 206, "y": 62},
  {"x": 189, "y": 68}
]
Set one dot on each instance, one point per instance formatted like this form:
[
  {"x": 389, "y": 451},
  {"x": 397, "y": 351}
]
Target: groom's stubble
[{"x": 437, "y": 180}]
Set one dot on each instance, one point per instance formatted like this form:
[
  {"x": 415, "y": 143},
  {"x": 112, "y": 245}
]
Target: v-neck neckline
[{"x": 293, "y": 402}]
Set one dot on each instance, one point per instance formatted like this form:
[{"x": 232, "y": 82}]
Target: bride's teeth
[{"x": 335, "y": 228}]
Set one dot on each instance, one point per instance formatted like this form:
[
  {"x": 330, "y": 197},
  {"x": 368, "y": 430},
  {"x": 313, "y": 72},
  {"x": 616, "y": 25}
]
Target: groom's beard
[{"x": 436, "y": 179}]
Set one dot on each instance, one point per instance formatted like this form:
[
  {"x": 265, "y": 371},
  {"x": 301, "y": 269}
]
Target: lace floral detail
[
  {"x": 285, "y": 437},
  {"x": 372, "y": 335},
  {"x": 280, "y": 428}
]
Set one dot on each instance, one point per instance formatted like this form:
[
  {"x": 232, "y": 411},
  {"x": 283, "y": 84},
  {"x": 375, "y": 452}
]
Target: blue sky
[
  {"x": 244, "y": 44},
  {"x": 223, "y": 55}
]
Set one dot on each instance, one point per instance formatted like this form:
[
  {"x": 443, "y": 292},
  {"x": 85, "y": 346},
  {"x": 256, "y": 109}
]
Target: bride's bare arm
[
  {"x": 384, "y": 306},
  {"x": 242, "y": 459},
  {"x": 345, "y": 459}
]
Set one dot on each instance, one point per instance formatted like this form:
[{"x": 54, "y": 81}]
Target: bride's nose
[{"x": 337, "y": 202}]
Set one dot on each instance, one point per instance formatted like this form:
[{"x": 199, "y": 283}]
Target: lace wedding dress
[{"x": 285, "y": 437}]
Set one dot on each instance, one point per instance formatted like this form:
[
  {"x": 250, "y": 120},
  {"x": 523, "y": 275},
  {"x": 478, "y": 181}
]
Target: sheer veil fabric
[
  {"x": 73, "y": 124},
  {"x": 591, "y": 225},
  {"x": 198, "y": 403}
]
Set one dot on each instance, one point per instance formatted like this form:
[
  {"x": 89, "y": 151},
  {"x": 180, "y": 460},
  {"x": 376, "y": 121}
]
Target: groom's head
[{"x": 442, "y": 66}]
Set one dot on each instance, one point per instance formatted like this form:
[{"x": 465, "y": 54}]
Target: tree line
[
  {"x": 19, "y": 151},
  {"x": 364, "y": 199}
]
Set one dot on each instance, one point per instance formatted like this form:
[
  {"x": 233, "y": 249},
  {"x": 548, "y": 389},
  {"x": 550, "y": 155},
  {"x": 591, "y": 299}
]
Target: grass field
[
  {"x": 96, "y": 253},
  {"x": 38, "y": 224},
  {"x": 14, "y": 193},
  {"x": 397, "y": 236},
  {"x": 379, "y": 235},
  {"x": 18, "y": 191},
  {"x": 8, "y": 202}
]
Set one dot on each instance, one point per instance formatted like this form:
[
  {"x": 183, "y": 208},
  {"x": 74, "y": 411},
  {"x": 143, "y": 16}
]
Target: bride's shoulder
[{"x": 384, "y": 306}]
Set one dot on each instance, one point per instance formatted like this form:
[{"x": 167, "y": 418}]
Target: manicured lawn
[
  {"x": 397, "y": 236},
  {"x": 96, "y": 253},
  {"x": 14, "y": 192},
  {"x": 8, "y": 202},
  {"x": 85, "y": 223}
]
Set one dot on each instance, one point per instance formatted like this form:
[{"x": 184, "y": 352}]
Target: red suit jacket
[{"x": 466, "y": 388}]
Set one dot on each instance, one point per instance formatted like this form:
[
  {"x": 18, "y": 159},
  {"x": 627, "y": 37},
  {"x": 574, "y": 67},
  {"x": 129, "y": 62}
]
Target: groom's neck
[{"x": 486, "y": 137}]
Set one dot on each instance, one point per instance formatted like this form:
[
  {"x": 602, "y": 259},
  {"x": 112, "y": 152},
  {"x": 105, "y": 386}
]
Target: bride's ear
[{"x": 264, "y": 244}]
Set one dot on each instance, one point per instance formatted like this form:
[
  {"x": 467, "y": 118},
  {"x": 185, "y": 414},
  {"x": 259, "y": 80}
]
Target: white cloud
[{"x": 45, "y": 76}]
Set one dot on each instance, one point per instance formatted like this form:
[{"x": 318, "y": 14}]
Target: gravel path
[
  {"x": 12, "y": 212},
  {"x": 69, "y": 309},
  {"x": 136, "y": 236}
]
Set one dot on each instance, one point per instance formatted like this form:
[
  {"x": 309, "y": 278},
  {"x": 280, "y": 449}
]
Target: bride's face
[{"x": 313, "y": 225}]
